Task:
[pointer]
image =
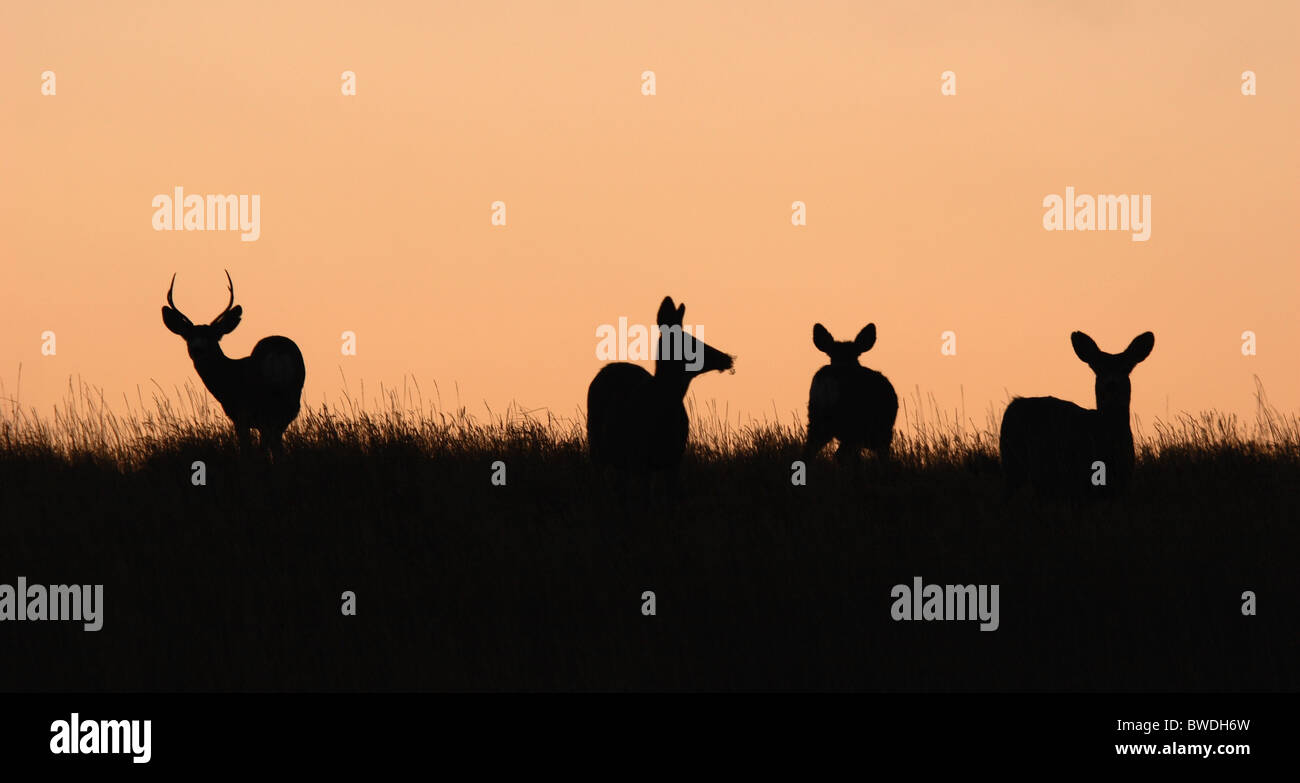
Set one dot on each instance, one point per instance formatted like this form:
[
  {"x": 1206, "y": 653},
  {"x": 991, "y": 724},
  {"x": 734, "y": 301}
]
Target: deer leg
[
  {"x": 245, "y": 438},
  {"x": 884, "y": 448},
  {"x": 848, "y": 452},
  {"x": 818, "y": 437},
  {"x": 886, "y": 443},
  {"x": 1012, "y": 479},
  {"x": 274, "y": 442}
]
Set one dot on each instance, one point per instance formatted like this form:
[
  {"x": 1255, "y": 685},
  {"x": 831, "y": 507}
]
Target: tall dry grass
[{"x": 86, "y": 426}]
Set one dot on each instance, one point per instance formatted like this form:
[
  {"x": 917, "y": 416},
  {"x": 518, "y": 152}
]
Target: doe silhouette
[
  {"x": 1054, "y": 445},
  {"x": 853, "y": 404},
  {"x": 637, "y": 421},
  {"x": 262, "y": 390}
]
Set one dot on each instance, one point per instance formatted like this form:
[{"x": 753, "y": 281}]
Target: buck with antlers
[{"x": 262, "y": 390}]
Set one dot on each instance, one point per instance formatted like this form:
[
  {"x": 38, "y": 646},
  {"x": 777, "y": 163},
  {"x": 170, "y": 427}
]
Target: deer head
[
  {"x": 681, "y": 356},
  {"x": 844, "y": 351},
  {"x": 201, "y": 340},
  {"x": 1112, "y": 369}
]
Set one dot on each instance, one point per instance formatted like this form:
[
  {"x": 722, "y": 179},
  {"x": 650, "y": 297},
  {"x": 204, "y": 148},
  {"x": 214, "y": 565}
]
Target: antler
[{"x": 231, "y": 285}]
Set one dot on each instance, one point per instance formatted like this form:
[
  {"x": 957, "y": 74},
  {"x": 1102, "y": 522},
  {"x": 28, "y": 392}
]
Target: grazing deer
[
  {"x": 848, "y": 402},
  {"x": 260, "y": 391},
  {"x": 638, "y": 421},
  {"x": 1054, "y": 445}
]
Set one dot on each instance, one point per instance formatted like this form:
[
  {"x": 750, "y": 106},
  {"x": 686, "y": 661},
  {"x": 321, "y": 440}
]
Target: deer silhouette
[
  {"x": 853, "y": 404},
  {"x": 638, "y": 421},
  {"x": 1054, "y": 445},
  {"x": 262, "y": 390}
]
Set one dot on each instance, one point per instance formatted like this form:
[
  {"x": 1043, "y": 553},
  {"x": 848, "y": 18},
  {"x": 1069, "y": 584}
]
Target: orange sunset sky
[{"x": 924, "y": 211}]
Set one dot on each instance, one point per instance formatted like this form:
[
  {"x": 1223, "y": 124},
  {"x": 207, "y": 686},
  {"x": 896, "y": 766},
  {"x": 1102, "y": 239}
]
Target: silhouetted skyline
[{"x": 924, "y": 211}]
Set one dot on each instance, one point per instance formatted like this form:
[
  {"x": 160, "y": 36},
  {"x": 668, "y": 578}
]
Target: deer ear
[
  {"x": 866, "y": 338},
  {"x": 681, "y": 314},
  {"x": 227, "y": 321},
  {"x": 1085, "y": 348},
  {"x": 667, "y": 311},
  {"x": 1139, "y": 349},
  {"x": 175, "y": 321},
  {"x": 822, "y": 338}
]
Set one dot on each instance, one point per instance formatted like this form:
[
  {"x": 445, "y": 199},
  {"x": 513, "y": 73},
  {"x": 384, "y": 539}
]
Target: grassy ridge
[{"x": 537, "y": 585}]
